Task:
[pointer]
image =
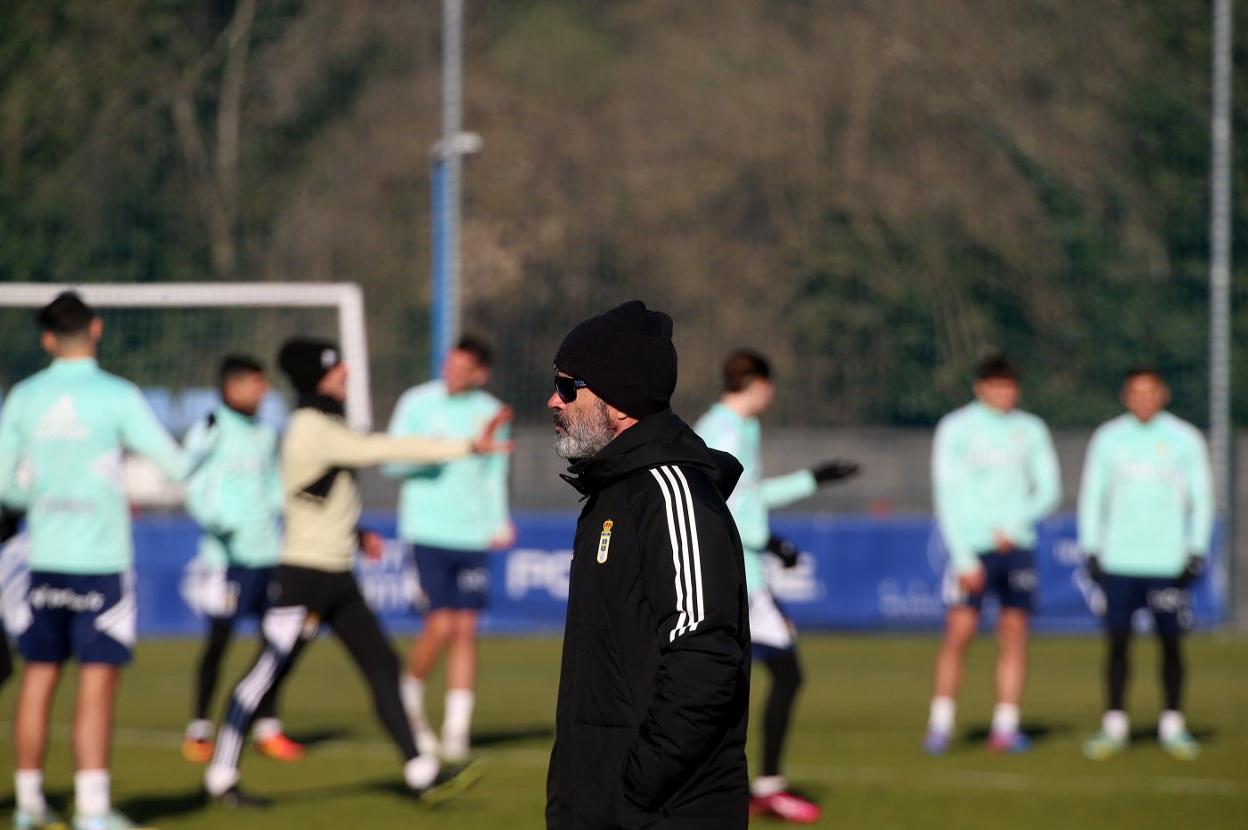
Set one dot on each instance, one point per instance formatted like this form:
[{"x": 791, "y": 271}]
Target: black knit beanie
[
  {"x": 626, "y": 357},
  {"x": 306, "y": 360}
]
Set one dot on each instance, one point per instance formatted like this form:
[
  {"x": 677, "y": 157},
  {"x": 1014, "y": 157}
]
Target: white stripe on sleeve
[
  {"x": 686, "y": 549},
  {"x": 671, "y": 529}
]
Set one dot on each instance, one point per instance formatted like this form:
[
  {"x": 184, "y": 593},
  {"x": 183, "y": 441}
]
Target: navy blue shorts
[
  {"x": 91, "y": 617},
  {"x": 1010, "y": 576},
  {"x": 247, "y": 592},
  {"x": 453, "y": 579},
  {"x": 1165, "y": 600}
]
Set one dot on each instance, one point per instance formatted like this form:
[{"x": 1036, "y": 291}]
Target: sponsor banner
[{"x": 861, "y": 573}]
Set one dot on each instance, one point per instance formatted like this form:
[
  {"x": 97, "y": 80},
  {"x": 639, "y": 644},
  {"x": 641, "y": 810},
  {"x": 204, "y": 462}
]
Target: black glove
[
  {"x": 9, "y": 520},
  {"x": 1194, "y": 569},
  {"x": 834, "y": 470},
  {"x": 784, "y": 549},
  {"x": 1093, "y": 566}
]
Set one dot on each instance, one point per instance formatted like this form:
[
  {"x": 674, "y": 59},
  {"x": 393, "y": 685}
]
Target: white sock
[
  {"x": 412, "y": 692},
  {"x": 1004, "y": 719},
  {"x": 91, "y": 792},
  {"x": 28, "y": 784},
  {"x": 457, "y": 719},
  {"x": 766, "y": 785},
  {"x": 1171, "y": 725},
  {"x": 266, "y": 728},
  {"x": 199, "y": 730},
  {"x": 942, "y": 715},
  {"x": 219, "y": 779},
  {"x": 421, "y": 771},
  {"x": 1115, "y": 724}
]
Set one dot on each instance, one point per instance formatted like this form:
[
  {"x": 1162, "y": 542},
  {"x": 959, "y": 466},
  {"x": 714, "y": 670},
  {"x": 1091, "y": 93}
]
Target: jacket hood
[{"x": 661, "y": 438}]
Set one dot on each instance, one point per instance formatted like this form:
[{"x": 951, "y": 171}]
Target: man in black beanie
[{"x": 654, "y": 686}]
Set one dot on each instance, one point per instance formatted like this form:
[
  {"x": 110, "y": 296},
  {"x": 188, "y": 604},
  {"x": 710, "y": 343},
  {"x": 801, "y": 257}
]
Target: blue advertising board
[{"x": 855, "y": 573}]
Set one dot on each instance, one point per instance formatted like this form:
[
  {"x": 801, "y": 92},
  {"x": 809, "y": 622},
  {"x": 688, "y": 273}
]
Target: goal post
[{"x": 345, "y": 298}]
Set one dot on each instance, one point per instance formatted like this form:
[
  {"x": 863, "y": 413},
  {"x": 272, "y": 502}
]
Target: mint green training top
[
  {"x": 1146, "y": 503},
  {"x": 236, "y": 494},
  {"x": 62, "y": 434},
  {"x": 722, "y": 428},
  {"x": 991, "y": 470},
  {"x": 462, "y": 504}
]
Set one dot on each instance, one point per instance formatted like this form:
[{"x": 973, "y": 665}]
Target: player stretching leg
[
  {"x": 1145, "y": 522},
  {"x": 732, "y": 426},
  {"x": 995, "y": 476},
  {"x": 314, "y": 582},
  {"x": 236, "y": 498},
  {"x": 67, "y": 426},
  {"x": 453, "y": 515}
]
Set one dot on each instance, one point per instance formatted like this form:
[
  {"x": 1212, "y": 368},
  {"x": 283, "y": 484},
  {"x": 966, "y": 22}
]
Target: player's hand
[
  {"x": 834, "y": 470},
  {"x": 487, "y": 441},
  {"x": 1193, "y": 571},
  {"x": 783, "y": 549},
  {"x": 372, "y": 544},
  {"x": 1002, "y": 542},
  {"x": 1093, "y": 566},
  {"x": 505, "y": 539},
  {"x": 972, "y": 582}
]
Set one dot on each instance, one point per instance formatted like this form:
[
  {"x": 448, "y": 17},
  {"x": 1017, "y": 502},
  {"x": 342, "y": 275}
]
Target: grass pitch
[{"x": 855, "y": 744}]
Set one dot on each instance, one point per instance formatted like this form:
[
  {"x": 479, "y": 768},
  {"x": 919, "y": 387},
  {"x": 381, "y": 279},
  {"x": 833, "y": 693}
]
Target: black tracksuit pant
[{"x": 307, "y": 597}]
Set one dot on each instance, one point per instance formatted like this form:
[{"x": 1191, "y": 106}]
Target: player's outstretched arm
[
  {"x": 143, "y": 433},
  {"x": 491, "y": 439},
  {"x": 338, "y": 445}
]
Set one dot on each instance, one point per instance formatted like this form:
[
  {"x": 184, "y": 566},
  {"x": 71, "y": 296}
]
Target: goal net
[{"x": 169, "y": 338}]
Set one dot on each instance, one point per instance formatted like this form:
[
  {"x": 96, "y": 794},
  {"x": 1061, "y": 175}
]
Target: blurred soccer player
[
  {"x": 314, "y": 582},
  {"x": 732, "y": 426},
  {"x": 1145, "y": 522},
  {"x": 453, "y": 515},
  {"x": 68, "y": 427},
  {"x": 236, "y": 498},
  {"x": 995, "y": 476}
]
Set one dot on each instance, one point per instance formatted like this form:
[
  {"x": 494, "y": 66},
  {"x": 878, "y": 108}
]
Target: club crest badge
[{"x": 604, "y": 541}]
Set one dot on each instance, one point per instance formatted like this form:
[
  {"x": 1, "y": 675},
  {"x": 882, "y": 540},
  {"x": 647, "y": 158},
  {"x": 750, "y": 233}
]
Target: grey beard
[{"x": 583, "y": 437}]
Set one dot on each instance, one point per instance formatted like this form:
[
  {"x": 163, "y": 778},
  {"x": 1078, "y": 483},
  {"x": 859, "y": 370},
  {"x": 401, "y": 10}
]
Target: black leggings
[
  {"x": 220, "y": 632},
  {"x": 786, "y": 680},
  {"x": 1118, "y": 670},
  {"x": 6, "y": 660},
  {"x": 307, "y": 597}
]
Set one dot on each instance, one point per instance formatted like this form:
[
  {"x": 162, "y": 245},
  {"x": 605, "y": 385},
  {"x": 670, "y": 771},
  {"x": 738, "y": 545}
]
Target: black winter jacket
[{"x": 654, "y": 688}]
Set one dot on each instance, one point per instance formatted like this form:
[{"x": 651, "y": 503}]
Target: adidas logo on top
[{"x": 61, "y": 422}]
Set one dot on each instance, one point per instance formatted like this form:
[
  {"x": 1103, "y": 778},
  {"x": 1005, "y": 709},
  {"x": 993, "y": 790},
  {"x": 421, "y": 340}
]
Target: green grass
[{"x": 855, "y": 743}]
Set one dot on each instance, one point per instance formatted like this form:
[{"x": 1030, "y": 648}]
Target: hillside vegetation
[{"x": 875, "y": 193}]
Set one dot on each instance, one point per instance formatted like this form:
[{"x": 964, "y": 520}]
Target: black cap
[
  {"x": 626, "y": 357},
  {"x": 306, "y": 360}
]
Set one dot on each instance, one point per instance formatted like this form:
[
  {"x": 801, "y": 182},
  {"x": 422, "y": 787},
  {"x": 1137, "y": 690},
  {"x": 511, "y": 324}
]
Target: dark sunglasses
[{"x": 566, "y": 387}]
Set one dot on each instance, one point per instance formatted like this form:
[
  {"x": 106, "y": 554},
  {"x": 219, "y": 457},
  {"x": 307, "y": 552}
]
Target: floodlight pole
[
  {"x": 445, "y": 206},
  {"x": 1220, "y": 416}
]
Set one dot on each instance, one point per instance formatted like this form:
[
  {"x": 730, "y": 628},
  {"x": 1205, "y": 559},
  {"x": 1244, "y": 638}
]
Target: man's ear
[
  {"x": 616, "y": 414},
  {"x": 96, "y": 329},
  {"x": 48, "y": 341}
]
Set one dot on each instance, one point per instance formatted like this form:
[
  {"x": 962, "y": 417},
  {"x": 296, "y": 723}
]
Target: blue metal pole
[{"x": 442, "y": 325}]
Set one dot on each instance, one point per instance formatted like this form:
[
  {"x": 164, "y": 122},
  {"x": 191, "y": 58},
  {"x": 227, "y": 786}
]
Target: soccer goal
[{"x": 169, "y": 338}]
